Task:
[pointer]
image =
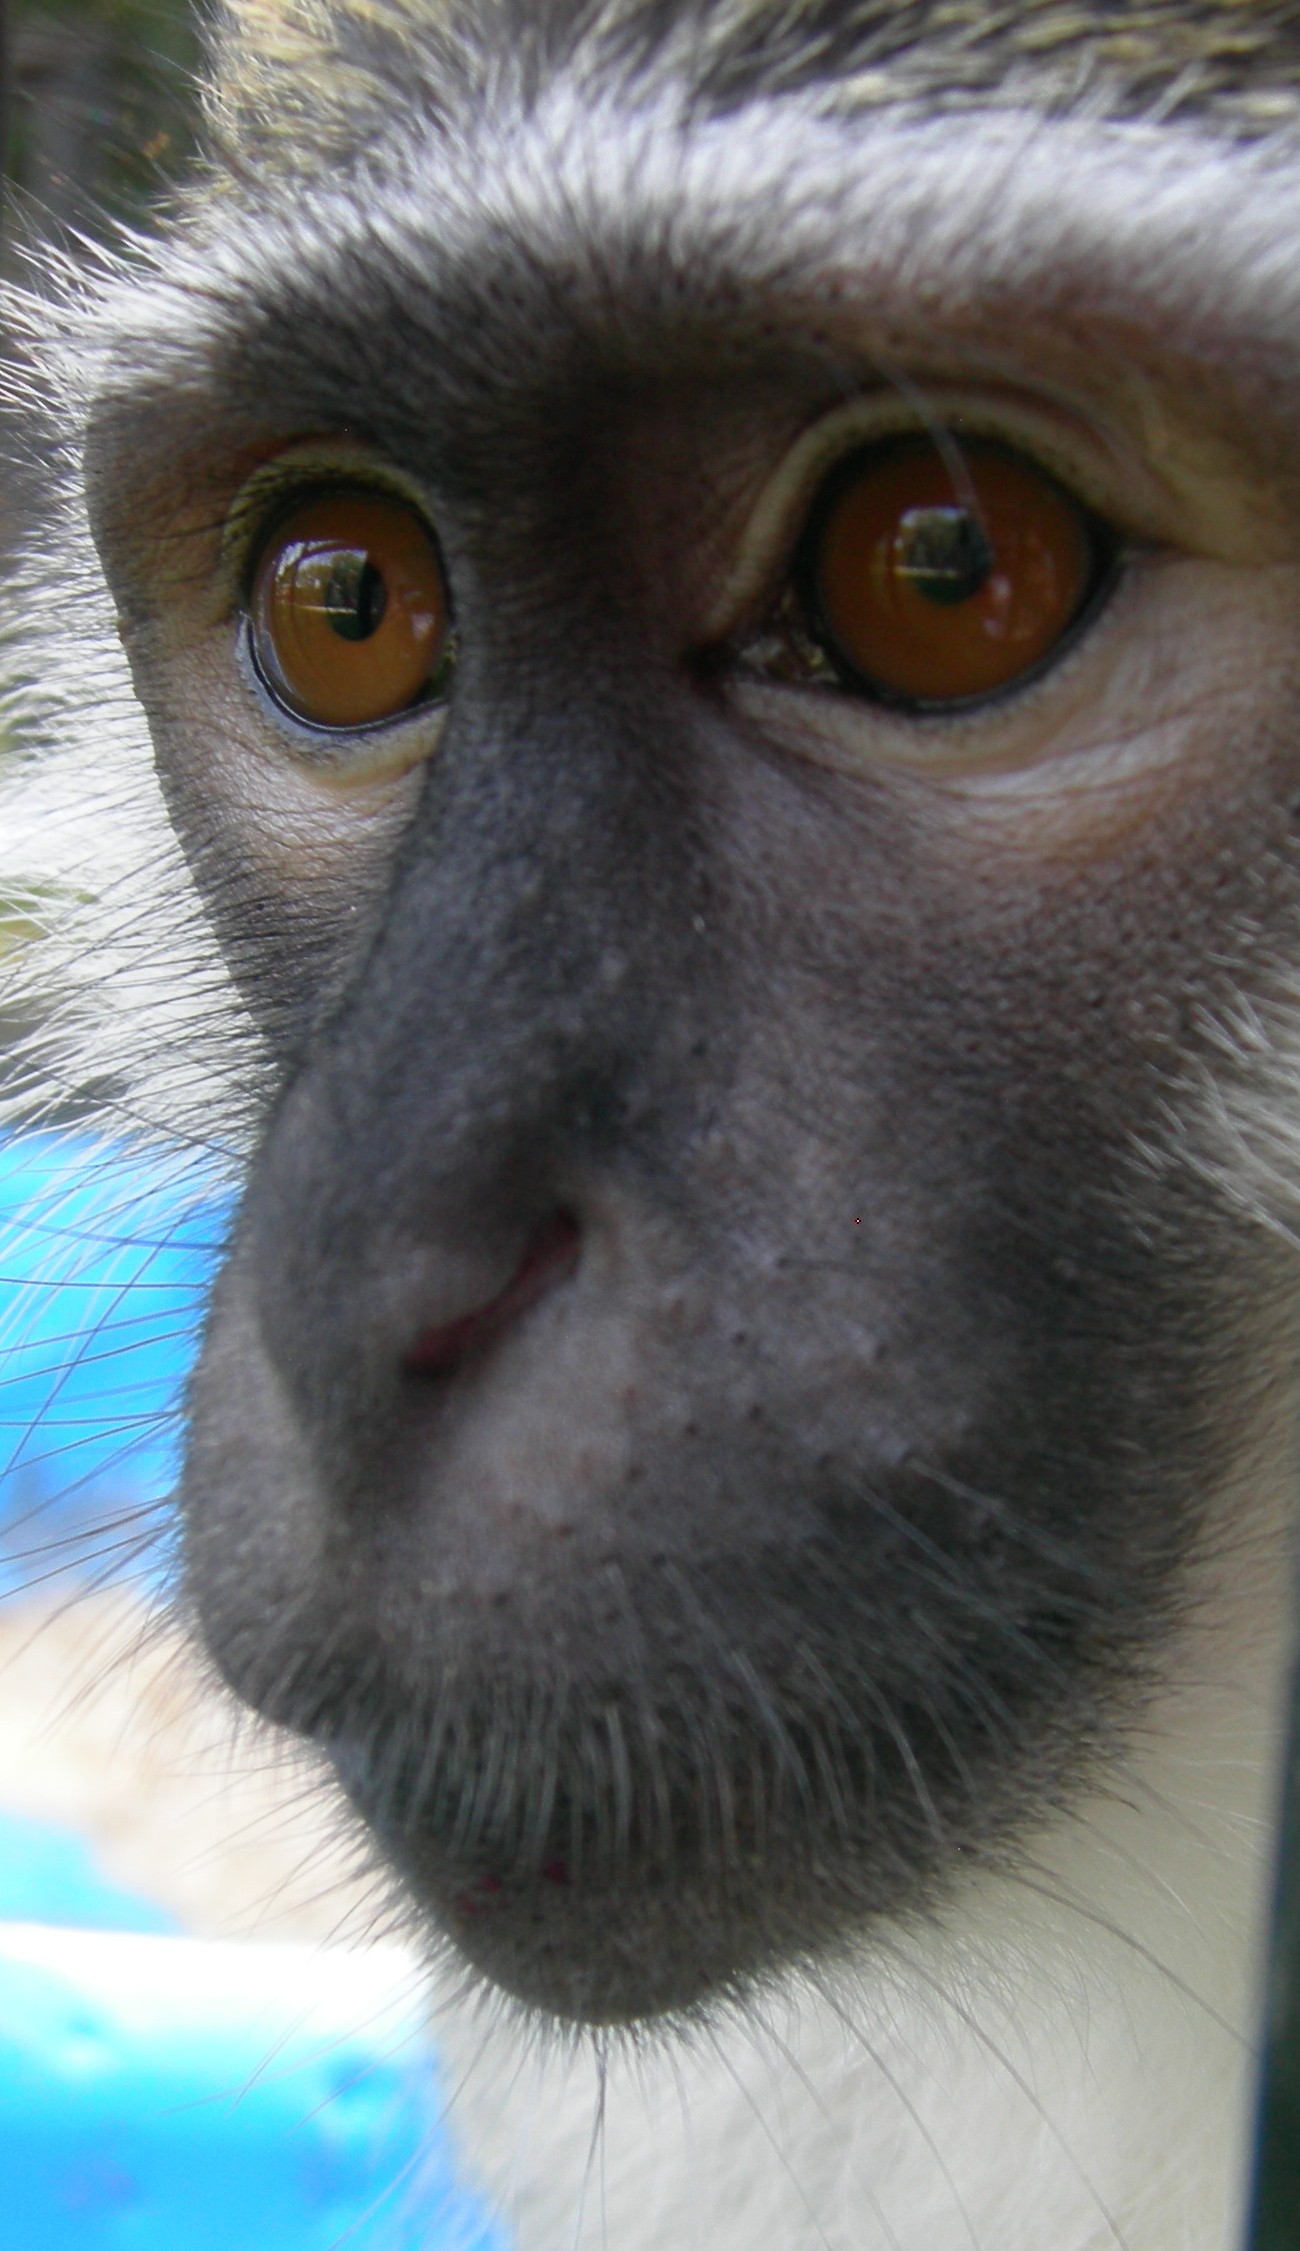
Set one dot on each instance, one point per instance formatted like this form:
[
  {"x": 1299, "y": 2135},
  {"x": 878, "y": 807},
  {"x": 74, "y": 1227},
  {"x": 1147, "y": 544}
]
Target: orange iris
[
  {"x": 349, "y": 613},
  {"x": 940, "y": 576}
]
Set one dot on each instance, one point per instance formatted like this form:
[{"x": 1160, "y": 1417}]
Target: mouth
[
  {"x": 600, "y": 1935},
  {"x": 550, "y": 1257}
]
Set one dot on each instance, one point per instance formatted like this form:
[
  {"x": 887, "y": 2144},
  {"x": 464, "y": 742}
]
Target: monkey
[{"x": 675, "y": 629}]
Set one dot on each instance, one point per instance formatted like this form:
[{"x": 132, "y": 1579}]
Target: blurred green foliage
[
  {"x": 1275, "y": 2212},
  {"x": 97, "y": 114},
  {"x": 100, "y": 107}
]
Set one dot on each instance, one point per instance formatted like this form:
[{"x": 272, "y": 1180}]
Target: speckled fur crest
[{"x": 301, "y": 80}]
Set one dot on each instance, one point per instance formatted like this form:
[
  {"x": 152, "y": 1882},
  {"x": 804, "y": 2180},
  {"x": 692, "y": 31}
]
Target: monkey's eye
[
  {"x": 936, "y": 575},
  {"x": 349, "y": 617}
]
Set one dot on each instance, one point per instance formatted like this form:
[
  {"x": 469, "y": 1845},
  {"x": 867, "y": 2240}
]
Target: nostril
[{"x": 550, "y": 1255}]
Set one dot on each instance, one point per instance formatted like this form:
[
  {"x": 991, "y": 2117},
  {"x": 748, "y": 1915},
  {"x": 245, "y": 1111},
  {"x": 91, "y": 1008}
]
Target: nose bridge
[
  {"x": 534, "y": 907},
  {"x": 511, "y": 1001}
]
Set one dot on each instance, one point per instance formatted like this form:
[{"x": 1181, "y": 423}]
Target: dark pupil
[
  {"x": 943, "y": 552},
  {"x": 355, "y": 596}
]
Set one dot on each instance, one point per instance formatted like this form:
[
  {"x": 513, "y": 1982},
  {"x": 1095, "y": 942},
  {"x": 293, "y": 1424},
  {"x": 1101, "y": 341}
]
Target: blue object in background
[
  {"x": 106, "y": 1255},
  {"x": 50, "y": 1875},
  {"x": 161, "y": 2093},
  {"x": 171, "y": 2094}
]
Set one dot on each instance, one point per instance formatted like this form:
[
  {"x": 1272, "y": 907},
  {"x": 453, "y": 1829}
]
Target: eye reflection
[
  {"x": 349, "y": 613},
  {"x": 934, "y": 576}
]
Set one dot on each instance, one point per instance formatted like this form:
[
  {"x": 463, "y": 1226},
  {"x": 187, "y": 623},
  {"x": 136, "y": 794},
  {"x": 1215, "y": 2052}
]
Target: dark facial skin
[{"x": 713, "y": 1405}]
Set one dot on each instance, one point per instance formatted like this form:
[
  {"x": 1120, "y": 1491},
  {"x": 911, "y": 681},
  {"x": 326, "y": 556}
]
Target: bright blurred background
[{"x": 201, "y": 2046}]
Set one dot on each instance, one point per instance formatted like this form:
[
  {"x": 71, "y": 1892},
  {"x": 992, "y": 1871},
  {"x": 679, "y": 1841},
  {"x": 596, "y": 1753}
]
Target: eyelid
[
  {"x": 1003, "y": 734},
  {"x": 1134, "y": 506},
  {"x": 345, "y": 758},
  {"x": 288, "y": 475}
]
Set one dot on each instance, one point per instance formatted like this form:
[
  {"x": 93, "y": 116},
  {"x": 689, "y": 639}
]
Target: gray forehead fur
[{"x": 621, "y": 209}]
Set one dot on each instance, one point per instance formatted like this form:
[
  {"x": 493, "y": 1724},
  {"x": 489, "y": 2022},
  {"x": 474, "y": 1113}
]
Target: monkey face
[{"x": 733, "y": 1350}]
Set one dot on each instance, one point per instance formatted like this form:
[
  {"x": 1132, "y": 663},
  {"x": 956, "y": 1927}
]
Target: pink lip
[
  {"x": 552, "y": 1254},
  {"x": 486, "y": 1888}
]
